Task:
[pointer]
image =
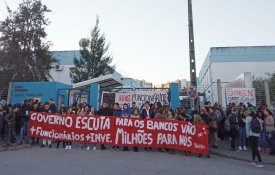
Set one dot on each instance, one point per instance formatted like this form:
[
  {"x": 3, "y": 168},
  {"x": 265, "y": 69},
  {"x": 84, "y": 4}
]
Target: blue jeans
[
  {"x": 24, "y": 131},
  {"x": 241, "y": 136},
  {"x": 264, "y": 140}
]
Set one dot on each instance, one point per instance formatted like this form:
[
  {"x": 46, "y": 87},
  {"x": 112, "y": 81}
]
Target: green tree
[
  {"x": 95, "y": 59},
  {"x": 24, "y": 53}
]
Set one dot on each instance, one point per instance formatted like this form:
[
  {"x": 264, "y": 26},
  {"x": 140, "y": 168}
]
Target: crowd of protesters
[{"x": 236, "y": 123}]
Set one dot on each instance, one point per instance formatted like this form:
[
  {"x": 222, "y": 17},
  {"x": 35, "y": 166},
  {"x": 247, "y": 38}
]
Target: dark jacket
[
  {"x": 105, "y": 112},
  {"x": 144, "y": 114},
  {"x": 53, "y": 108},
  {"x": 25, "y": 112},
  {"x": 241, "y": 120},
  {"x": 117, "y": 112},
  {"x": 10, "y": 119}
]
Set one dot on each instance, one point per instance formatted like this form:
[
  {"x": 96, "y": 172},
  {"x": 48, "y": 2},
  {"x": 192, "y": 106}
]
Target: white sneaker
[
  {"x": 240, "y": 148},
  {"x": 259, "y": 165},
  {"x": 70, "y": 147},
  {"x": 253, "y": 163},
  {"x": 94, "y": 148},
  {"x": 88, "y": 148},
  {"x": 244, "y": 148},
  {"x": 67, "y": 147}
]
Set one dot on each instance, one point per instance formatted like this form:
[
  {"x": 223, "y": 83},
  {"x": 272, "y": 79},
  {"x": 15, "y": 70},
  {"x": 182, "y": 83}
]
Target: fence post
[
  {"x": 267, "y": 94},
  {"x": 219, "y": 91},
  {"x": 174, "y": 95},
  {"x": 94, "y": 95}
]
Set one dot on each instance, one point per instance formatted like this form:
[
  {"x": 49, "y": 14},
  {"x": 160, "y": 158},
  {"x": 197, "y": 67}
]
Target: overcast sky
[{"x": 149, "y": 38}]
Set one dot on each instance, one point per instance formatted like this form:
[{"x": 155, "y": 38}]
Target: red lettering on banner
[{"x": 121, "y": 131}]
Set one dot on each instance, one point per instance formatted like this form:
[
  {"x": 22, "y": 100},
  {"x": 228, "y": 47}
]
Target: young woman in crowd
[
  {"x": 213, "y": 127},
  {"x": 198, "y": 121},
  {"x": 242, "y": 130},
  {"x": 135, "y": 114},
  {"x": 170, "y": 116},
  {"x": 92, "y": 113},
  {"x": 268, "y": 126},
  {"x": 253, "y": 134},
  {"x": 116, "y": 113},
  {"x": 68, "y": 145},
  {"x": 62, "y": 110},
  {"x": 233, "y": 119}
]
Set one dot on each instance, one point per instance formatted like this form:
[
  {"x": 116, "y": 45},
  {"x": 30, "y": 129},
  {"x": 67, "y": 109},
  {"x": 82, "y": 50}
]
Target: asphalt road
[{"x": 35, "y": 160}]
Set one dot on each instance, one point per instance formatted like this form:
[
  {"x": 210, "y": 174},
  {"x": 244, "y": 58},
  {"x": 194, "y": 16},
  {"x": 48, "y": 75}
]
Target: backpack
[{"x": 255, "y": 125}]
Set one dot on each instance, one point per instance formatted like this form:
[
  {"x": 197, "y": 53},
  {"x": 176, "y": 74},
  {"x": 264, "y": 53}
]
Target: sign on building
[{"x": 240, "y": 95}]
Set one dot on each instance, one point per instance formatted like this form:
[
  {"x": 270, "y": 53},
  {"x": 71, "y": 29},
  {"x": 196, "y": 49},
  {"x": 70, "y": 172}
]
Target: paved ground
[
  {"x": 34, "y": 160},
  {"x": 225, "y": 151}
]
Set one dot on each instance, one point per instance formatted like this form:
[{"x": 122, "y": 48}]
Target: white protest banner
[
  {"x": 140, "y": 97},
  {"x": 122, "y": 98},
  {"x": 241, "y": 95}
]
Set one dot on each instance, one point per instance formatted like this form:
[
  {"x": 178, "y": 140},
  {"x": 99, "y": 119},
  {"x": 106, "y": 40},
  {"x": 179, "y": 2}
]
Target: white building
[
  {"x": 60, "y": 71},
  {"x": 227, "y": 63}
]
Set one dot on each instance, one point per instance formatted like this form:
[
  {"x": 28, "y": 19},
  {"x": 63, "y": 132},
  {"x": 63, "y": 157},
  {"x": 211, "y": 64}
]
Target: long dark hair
[{"x": 253, "y": 114}]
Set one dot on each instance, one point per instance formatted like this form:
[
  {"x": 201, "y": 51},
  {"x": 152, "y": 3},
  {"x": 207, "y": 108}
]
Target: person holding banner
[
  {"x": 104, "y": 111},
  {"x": 92, "y": 113},
  {"x": 147, "y": 112},
  {"x": 116, "y": 113},
  {"x": 62, "y": 110},
  {"x": 198, "y": 121},
  {"x": 134, "y": 107},
  {"x": 135, "y": 114},
  {"x": 35, "y": 108},
  {"x": 44, "y": 141},
  {"x": 126, "y": 112}
]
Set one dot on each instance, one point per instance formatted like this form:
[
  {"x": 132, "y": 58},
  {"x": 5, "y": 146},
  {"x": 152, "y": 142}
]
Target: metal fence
[{"x": 265, "y": 92}]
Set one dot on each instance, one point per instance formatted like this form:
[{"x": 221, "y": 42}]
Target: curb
[
  {"x": 15, "y": 147},
  {"x": 238, "y": 158}
]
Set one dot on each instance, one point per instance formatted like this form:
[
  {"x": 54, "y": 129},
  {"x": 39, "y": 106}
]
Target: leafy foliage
[
  {"x": 24, "y": 55},
  {"x": 95, "y": 60}
]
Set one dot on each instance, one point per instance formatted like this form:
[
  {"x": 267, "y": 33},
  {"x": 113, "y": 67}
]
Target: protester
[
  {"x": 147, "y": 112},
  {"x": 24, "y": 121},
  {"x": 105, "y": 111},
  {"x": 242, "y": 130},
  {"x": 10, "y": 125},
  {"x": 213, "y": 127},
  {"x": 92, "y": 113},
  {"x": 62, "y": 110},
  {"x": 198, "y": 121},
  {"x": 68, "y": 145},
  {"x": 268, "y": 128},
  {"x": 35, "y": 108},
  {"x": 45, "y": 141},
  {"x": 134, "y": 107},
  {"x": 233, "y": 119},
  {"x": 253, "y": 130}
]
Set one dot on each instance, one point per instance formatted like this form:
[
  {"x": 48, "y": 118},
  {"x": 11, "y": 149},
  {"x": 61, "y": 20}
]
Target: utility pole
[{"x": 193, "y": 77}]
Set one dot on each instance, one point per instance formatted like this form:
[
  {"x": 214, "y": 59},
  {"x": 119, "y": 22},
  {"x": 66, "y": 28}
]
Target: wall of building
[
  {"x": 62, "y": 76},
  {"x": 41, "y": 90},
  {"x": 226, "y": 63}
]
